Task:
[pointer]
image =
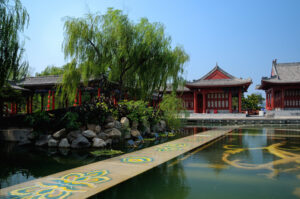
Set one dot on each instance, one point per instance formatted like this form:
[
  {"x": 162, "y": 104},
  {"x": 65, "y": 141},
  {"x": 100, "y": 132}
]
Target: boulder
[
  {"x": 73, "y": 135},
  {"x": 97, "y": 142},
  {"x": 42, "y": 140},
  {"x": 113, "y": 133},
  {"x": 31, "y": 136},
  {"x": 52, "y": 142},
  {"x": 157, "y": 128},
  {"x": 118, "y": 125},
  {"x": 91, "y": 127},
  {"x": 163, "y": 124},
  {"x": 109, "y": 119},
  {"x": 108, "y": 141},
  {"x": 97, "y": 129},
  {"x": 24, "y": 142},
  {"x": 146, "y": 131},
  {"x": 89, "y": 134},
  {"x": 135, "y": 133},
  {"x": 102, "y": 136},
  {"x": 110, "y": 125},
  {"x": 125, "y": 122},
  {"x": 59, "y": 134},
  {"x": 134, "y": 125},
  {"x": 80, "y": 142},
  {"x": 64, "y": 143}
]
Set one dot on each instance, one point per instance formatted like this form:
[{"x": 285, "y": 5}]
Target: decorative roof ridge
[{"x": 217, "y": 67}]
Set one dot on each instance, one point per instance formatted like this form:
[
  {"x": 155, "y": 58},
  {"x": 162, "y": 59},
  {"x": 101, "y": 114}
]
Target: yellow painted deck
[{"x": 88, "y": 180}]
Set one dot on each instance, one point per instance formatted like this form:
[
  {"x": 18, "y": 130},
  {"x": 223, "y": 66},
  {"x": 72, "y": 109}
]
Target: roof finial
[{"x": 216, "y": 64}]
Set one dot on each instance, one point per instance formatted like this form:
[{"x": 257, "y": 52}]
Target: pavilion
[
  {"x": 214, "y": 92},
  {"x": 283, "y": 87}
]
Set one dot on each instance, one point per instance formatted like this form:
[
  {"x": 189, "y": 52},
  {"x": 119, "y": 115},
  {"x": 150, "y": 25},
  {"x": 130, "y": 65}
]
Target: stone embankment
[{"x": 92, "y": 135}]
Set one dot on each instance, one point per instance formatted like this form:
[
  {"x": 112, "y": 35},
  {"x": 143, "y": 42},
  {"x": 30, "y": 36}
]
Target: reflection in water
[
  {"x": 286, "y": 158},
  {"x": 160, "y": 182}
]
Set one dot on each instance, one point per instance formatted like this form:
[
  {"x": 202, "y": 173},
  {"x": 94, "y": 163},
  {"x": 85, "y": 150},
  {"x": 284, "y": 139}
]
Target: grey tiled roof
[
  {"x": 285, "y": 73},
  {"x": 232, "y": 81},
  {"x": 41, "y": 81},
  {"x": 179, "y": 89}
]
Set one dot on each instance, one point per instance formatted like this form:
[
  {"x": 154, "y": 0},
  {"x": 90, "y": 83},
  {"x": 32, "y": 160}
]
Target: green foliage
[
  {"x": 137, "y": 110},
  {"x": 51, "y": 70},
  {"x": 171, "y": 106},
  {"x": 139, "y": 57},
  {"x": 253, "y": 102},
  {"x": 70, "y": 121},
  {"x": 106, "y": 152},
  {"x": 40, "y": 122},
  {"x": 13, "y": 19}
]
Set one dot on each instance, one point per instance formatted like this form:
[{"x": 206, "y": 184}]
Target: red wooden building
[
  {"x": 214, "y": 92},
  {"x": 283, "y": 87}
]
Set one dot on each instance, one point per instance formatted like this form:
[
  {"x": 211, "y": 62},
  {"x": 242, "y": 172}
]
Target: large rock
[
  {"x": 80, "y": 142},
  {"x": 102, "y": 136},
  {"x": 91, "y": 127},
  {"x": 125, "y": 122},
  {"x": 163, "y": 124},
  {"x": 42, "y": 140},
  {"x": 110, "y": 125},
  {"x": 97, "y": 142},
  {"x": 52, "y": 142},
  {"x": 64, "y": 143},
  {"x": 157, "y": 128},
  {"x": 89, "y": 134},
  {"x": 135, "y": 133},
  {"x": 98, "y": 129},
  {"x": 32, "y": 135},
  {"x": 118, "y": 125},
  {"x": 146, "y": 131},
  {"x": 113, "y": 133},
  {"x": 109, "y": 119},
  {"x": 73, "y": 135},
  {"x": 108, "y": 141},
  {"x": 60, "y": 134}
]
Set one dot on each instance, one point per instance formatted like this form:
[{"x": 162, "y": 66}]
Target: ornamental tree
[{"x": 137, "y": 56}]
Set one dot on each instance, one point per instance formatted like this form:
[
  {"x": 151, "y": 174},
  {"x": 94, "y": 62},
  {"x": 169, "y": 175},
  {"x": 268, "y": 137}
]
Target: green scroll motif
[{"x": 60, "y": 188}]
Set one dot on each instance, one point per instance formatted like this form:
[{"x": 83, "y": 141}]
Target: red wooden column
[
  {"x": 16, "y": 108},
  {"x": 42, "y": 101},
  {"x": 240, "y": 100},
  {"x": 230, "y": 101},
  {"x": 195, "y": 102},
  {"x": 79, "y": 97},
  {"x": 99, "y": 92},
  {"x": 49, "y": 96},
  {"x": 282, "y": 98},
  {"x": 203, "y": 102},
  {"x": 272, "y": 99},
  {"x": 12, "y": 108},
  {"x": 53, "y": 100}
]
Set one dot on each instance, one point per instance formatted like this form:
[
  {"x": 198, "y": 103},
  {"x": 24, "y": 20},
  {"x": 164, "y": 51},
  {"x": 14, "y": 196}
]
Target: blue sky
[{"x": 242, "y": 36}]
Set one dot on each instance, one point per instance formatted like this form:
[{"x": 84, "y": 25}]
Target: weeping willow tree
[
  {"x": 13, "y": 20},
  {"x": 138, "y": 56}
]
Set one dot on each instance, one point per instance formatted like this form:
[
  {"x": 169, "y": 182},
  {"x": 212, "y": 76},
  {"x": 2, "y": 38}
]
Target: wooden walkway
[{"x": 88, "y": 180}]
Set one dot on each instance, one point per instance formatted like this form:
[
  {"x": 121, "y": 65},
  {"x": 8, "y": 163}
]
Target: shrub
[
  {"x": 170, "y": 108},
  {"x": 39, "y": 121},
  {"x": 70, "y": 121}
]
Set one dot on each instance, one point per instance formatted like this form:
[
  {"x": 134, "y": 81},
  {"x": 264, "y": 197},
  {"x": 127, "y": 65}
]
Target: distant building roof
[
  {"x": 50, "y": 80},
  {"x": 282, "y": 73},
  {"x": 217, "y": 77}
]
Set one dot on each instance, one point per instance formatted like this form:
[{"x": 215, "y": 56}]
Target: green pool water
[
  {"x": 249, "y": 163},
  {"x": 23, "y": 163}
]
